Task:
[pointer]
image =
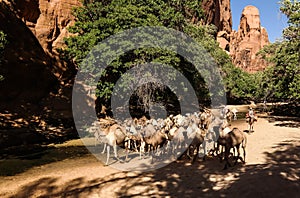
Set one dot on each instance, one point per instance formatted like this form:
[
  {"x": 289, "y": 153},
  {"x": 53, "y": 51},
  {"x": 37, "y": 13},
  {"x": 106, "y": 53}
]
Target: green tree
[
  {"x": 97, "y": 20},
  {"x": 3, "y": 42},
  {"x": 284, "y": 73}
]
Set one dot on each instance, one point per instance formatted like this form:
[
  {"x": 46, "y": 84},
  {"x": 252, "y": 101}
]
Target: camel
[
  {"x": 114, "y": 135},
  {"x": 228, "y": 116},
  {"x": 206, "y": 118},
  {"x": 232, "y": 139},
  {"x": 251, "y": 120},
  {"x": 154, "y": 141},
  {"x": 195, "y": 144}
]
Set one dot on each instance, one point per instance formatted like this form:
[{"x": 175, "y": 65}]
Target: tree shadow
[
  {"x": 20, "y": 162},
  {"x": 284, "y": 121},
  {"x": 279, "y": 177}
]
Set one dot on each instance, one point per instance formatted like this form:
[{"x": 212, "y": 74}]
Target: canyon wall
[
  {"x": 49, "y": 19},
  {"x": 243, "y": 44},
  {"x": 218, "y": 12}
]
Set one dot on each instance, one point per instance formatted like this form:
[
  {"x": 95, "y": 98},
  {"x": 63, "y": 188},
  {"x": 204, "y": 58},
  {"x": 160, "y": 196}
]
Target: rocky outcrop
[
  {"x": 218, "y": 12},
  {"x": 48, "y": 21},
  {"x": 248, "y": 40},
  {"x": 35, "y": 96},
  {"x": 242, "y": 45},
  {"x": 26, "y": 67}
]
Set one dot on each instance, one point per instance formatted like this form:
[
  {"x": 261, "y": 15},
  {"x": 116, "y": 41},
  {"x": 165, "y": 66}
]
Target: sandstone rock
[
  {"x": 224, "y": 40},
  {"x": 30, "y": 87},
  {"x": 248, "y": 40},
  {"x": 55, "y": 18},
  {"x": 48, "y": 20},
  {"x": 26, "y": 67},
  {"x": 218, "y": 13},
  {"x": 243, "y": 44}
]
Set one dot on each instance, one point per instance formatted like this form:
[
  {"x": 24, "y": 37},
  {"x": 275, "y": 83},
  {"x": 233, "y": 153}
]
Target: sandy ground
[{"x": 272, "y": 169}]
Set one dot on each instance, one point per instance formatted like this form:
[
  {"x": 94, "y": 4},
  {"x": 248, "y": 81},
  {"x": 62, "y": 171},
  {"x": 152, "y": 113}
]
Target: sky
[{"x": 270, "y": 16}]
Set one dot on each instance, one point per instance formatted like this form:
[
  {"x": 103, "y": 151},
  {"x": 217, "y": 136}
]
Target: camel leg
[
  {"x": 97, "y": 138},
  {"x": 142, "y": 148},
  {"x": 238, "y": 154},
  {"x": 126, "y": 157},
  {"x": 196, "y": 155},
  {"x": 135, "y": 146},
  {"x": 152, "y": 154},
  {"x": 149, "y": 150},
  {"x": 170, "y": 147},
  {"x": 244, "y": 150},
  {"x": 107, "y": 158},
  {"x": 104, "y": 147},
  {"x": 127, "y": 148},
  {"x": 221, "y": 155},
  {"x": 214, "y": 150},
  {"x": 189, "y": 152},
  {"x": 227, "y": 150},
  {"x": 140, "y": 154},
  {"x": 218, "y": 152},
  {"x": 176, "y": 146},
  {"x": 116, "y": 153},
  {"x": 205, "y": 149}
]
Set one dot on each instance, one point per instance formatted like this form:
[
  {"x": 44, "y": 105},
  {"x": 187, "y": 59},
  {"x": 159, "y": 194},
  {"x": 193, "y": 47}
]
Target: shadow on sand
[{"x": 277, "y": 178}]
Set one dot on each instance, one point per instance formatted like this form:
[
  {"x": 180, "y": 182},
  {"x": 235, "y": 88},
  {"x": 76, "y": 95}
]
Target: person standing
[{"x": 250, "y": 118}]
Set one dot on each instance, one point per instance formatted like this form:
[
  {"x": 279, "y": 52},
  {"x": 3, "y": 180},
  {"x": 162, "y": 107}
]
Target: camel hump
[{"x": 236, "y": 130}]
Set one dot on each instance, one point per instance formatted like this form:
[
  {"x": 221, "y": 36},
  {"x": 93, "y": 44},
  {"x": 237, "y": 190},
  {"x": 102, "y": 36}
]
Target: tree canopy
[
  {"x": 283, "y": 75},
  {"x": 97, "y": 20}
]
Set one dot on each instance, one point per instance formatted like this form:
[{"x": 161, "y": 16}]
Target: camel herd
[{"x": 180, "y": 135}]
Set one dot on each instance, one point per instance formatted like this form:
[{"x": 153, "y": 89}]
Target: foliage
[
  {"x": 291, "y": 8},
  {"x": 97, "y": 20},
  {"x": 240, "y": 85},
  {"x": 283, "y": 76},
  {"x": 280, "y": 81},
  {"x": 3, "y": 42}
]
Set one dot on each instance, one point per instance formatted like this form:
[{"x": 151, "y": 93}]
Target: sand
[{"x": 272, "y": 169}]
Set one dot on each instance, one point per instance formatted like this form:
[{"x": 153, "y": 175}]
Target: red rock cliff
[
  {"x": 218, "y": 12},
  {"x": 48, "y": 20},
  {"x": 242, "y": 45},
  {"x": 248, "y": 40}
]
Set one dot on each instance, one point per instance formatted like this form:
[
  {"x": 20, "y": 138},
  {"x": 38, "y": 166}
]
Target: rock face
[
  {"x": 248, "y": 40},
  {"x": 48, "y": 21},
  {"x": 26, "y": 67},
  {"x": 242, "y": 45},
  {"x": 35, "y": 96},
  {"x": 218, "y": 12}
]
